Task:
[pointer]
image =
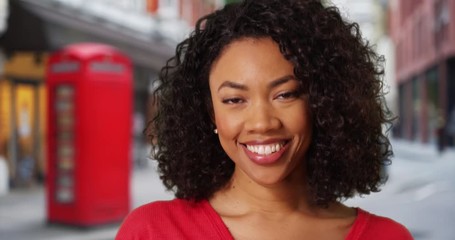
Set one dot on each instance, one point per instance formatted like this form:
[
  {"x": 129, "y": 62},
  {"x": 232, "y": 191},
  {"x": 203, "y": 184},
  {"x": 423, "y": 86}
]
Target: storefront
[
  {"x": 423, "y": 116},
  {"x": 22, "y": 137}
]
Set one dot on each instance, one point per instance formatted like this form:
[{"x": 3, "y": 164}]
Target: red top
[{"x": 181, "y": 219}]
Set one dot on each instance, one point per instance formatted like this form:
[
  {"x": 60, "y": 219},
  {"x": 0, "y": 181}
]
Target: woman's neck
[{"x": 246, "y": 196}]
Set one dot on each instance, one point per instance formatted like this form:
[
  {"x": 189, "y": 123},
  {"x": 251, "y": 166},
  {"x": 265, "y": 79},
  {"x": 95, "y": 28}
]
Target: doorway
[{"x": 25, "y": 145}]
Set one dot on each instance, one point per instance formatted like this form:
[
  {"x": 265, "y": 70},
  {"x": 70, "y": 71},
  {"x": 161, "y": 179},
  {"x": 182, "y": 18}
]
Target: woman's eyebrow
[
  {"x": 280, "y": 81},
  {"x": 271, "y": 85},
  {"x": 231, "y": 84}
]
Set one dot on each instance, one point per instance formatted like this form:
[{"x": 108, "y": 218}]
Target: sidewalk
[
  {"x": 23, "y": 213},
  {"x": 426, "y": 152}
]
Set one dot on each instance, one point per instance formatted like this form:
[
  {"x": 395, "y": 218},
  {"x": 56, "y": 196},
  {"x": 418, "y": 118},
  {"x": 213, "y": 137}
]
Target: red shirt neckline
[{"x": 354, "y": 233}]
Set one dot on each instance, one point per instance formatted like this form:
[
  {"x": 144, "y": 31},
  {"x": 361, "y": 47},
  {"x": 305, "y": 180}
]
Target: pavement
[
  {"x": 418, "y": 173},
  {"x": 23, "y": 211}
]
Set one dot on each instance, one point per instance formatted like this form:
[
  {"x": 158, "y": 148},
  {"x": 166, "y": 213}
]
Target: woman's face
[{"x": 260, "y": 112}]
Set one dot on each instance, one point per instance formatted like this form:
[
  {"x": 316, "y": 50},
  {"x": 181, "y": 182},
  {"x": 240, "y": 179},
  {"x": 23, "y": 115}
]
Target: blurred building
[
  {"x": 145, "y": 30},
  {"x": 424, "y": 36}
]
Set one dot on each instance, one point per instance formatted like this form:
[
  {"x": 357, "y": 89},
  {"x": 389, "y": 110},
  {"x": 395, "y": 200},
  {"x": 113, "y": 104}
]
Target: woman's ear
[
  {"x": 212, "y": 118},
  {"x": 209, "y": 107}
]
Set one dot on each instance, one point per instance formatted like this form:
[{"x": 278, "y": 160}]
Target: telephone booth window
[{"x": 64, "y": 114}]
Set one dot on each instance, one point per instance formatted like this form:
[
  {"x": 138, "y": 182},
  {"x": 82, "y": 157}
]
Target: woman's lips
[{"x": 265, "y": 154}]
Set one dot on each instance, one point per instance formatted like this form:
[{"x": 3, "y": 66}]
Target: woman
[{"x": 269, "y": 115}]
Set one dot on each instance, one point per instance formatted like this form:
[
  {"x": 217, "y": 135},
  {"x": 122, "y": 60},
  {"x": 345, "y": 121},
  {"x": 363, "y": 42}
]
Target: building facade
[{"x": 424, "y": 35}]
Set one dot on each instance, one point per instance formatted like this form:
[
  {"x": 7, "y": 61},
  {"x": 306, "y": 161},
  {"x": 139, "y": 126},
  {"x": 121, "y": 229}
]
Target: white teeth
[
  {"x": 260, "y": 149},
  {"x": 268, "y": 150},
  {"x": 265, "y": 149}
]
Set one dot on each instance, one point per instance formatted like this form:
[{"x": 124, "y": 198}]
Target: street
[{"x": 420, "y": 194}]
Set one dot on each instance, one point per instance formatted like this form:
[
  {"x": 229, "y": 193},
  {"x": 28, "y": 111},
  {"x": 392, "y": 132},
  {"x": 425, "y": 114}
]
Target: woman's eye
[
  {"x": 232, "y": 101},
  {"x": 288, "y": 95}
]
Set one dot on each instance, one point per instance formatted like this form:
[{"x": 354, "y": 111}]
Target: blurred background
[{"x": 417, "y": 38}]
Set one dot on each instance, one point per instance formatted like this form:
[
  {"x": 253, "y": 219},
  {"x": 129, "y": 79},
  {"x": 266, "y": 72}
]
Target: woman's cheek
[{"x": 229, "y": 126}]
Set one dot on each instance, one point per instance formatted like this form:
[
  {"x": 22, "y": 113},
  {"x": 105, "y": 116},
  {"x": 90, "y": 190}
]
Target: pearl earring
[{"x": 215, "y": 131}]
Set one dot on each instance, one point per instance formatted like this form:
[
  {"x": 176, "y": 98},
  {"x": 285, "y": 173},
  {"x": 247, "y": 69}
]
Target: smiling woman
[
  {"x": 260, "y": 111},
  {"x": 270, "y": 115}
]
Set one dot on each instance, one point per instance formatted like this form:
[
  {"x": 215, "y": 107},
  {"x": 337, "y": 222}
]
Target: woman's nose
[{"x": 262, "y": 118}]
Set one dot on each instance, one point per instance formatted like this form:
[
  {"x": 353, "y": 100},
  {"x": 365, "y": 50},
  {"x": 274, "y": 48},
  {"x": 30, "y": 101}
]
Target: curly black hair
[{"x": 339, "y": 70}]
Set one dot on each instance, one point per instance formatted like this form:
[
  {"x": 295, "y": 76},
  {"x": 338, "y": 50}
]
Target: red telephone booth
[{"x": 89, "y": 122}]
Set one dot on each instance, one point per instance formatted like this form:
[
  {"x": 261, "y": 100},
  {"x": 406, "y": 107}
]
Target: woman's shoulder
[
  {"x": 371, "y": 226},
  {"x": 160, "y": 219},
  {"x": 159, "y": 210}
]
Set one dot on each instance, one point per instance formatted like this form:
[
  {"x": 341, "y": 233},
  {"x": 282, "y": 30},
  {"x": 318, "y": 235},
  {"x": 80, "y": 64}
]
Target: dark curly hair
[{"x": 338, "y": 69}]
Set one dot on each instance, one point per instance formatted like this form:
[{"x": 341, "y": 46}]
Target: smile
[
  {"x": 265, "y": 149},
  {"x": 265, "y": 153}
]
